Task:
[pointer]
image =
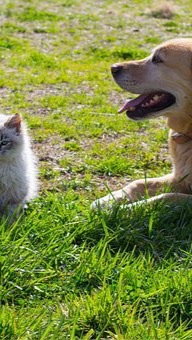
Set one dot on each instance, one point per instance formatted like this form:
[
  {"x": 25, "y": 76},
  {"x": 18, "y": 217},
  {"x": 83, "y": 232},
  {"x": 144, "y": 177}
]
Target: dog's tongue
[{"x": 132, "y": 103}]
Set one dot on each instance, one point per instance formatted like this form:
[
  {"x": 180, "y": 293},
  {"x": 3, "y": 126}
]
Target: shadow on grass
[{"x": 163, "y": 230}]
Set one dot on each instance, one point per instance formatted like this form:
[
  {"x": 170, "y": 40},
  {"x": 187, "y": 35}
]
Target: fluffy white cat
[{"x": 18, "y": 171}]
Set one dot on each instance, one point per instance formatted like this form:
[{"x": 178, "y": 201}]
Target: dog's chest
[{"x": 182, "y": 161}]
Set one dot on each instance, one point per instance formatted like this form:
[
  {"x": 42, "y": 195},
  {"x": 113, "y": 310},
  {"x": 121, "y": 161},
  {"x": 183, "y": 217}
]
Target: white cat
[{"x": 18, "y": 172}]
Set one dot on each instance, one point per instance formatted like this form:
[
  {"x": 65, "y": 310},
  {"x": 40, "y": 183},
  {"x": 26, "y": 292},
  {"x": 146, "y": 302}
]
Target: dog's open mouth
[{"x": 145, "y": 104}]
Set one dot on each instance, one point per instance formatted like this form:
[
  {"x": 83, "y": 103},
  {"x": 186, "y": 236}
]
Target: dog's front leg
[
  {"x": 171, "y": 197},
  {"x": 135, "y": 191}
]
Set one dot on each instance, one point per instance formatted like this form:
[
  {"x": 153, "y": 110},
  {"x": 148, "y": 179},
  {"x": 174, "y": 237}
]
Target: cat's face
[{"x": 10, "y": 135}]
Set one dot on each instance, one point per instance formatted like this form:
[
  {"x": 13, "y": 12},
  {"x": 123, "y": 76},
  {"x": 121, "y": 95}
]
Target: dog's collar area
[{"x": 181, "y": 138}]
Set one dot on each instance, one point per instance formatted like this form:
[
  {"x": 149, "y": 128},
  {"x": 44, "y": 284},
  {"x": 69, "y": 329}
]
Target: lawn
[{"x": 66, "y": 272}]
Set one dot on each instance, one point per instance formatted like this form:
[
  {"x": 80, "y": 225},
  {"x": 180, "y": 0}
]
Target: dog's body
[{"x": 164, "y": 80}]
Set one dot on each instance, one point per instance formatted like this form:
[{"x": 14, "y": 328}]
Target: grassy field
[{"x": 66, "y": 272}]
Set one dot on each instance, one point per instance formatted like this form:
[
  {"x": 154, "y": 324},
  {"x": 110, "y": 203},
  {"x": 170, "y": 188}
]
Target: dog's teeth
[
  {"x": 131, "y": 108},
  {"x": 152, "y": 102},
  {"x": 156, "y": 97},
  {"x": 145, "y": 105}
]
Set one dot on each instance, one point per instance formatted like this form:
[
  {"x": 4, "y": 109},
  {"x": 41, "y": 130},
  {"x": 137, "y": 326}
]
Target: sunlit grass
[{"x": 67, "y": 272}]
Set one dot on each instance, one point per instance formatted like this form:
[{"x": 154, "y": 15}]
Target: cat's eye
[{"x": 4, "y": 142}]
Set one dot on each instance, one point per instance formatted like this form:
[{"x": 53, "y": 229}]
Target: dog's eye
[{"x": 156, "y": 59}]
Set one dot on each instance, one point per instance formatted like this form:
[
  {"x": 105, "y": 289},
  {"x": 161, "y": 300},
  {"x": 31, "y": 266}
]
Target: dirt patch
[
  {"x": 5, "y": 92},
  {"x": 55, "y": 177}
]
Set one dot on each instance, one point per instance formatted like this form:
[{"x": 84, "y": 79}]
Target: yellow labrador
[{"x": 164, "y": 84}]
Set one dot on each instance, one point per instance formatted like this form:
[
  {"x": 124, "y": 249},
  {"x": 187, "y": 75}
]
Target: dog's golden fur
[{"x": 167, "y": 69}]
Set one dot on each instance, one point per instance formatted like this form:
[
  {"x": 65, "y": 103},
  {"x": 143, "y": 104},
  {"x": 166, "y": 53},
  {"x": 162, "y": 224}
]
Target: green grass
[{"x": 66, "y": 272}]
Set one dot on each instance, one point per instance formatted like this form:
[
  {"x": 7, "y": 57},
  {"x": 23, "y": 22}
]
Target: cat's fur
[{"x": 18, "y": 172}]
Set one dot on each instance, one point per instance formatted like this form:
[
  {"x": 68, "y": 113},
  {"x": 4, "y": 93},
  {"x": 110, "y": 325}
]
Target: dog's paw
[{"x": 102, "y": 203}]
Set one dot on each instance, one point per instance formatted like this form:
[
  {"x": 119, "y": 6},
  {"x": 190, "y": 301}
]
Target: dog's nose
[{"x": 116, "y": 68}]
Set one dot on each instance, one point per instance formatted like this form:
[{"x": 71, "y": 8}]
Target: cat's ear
[{"x": 14, "y": 123}]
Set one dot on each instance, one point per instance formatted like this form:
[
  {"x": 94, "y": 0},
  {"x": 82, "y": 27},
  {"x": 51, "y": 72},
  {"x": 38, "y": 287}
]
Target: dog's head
[{"x": 163, "y": 81}]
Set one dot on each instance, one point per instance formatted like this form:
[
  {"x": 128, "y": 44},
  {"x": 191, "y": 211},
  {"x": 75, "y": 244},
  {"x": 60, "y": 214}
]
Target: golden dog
[{"x": 164, "y": 84}]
